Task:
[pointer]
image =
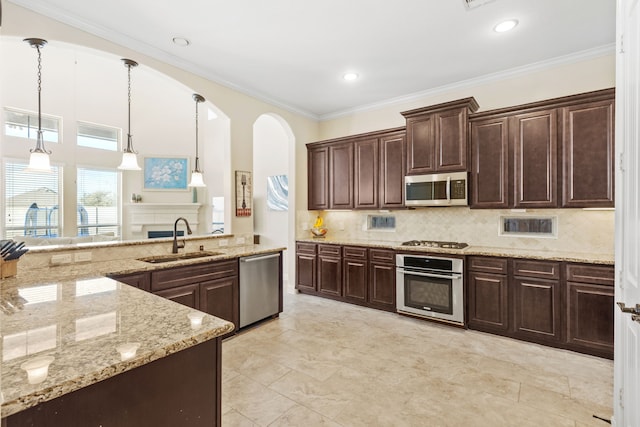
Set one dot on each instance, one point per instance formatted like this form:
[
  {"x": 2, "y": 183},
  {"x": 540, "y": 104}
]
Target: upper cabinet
[
  {"x": 357, "y": 172},
  {"x": 437, "y": 137},
  {"x": 556, "y": 153}
]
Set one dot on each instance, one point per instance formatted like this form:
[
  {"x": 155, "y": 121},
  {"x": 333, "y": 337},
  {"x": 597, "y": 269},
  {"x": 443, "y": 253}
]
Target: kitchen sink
[{"x": 178, "y": 257}]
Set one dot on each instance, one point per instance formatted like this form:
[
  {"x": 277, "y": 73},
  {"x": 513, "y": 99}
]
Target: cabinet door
[
  {"x": 588, "y": 155},
  {"x": 355, "y": 275},
  {"x": 366, "y": 174},
  {"x": 537, "y": 310},
  {"x": 392, "y": 165},
  {"x": 535, "y": 143},
  {"x": 490, "y": 164},
  {"x": 318, "y": 176},
  {"x": 451, "y": 140},
  {"x": 186, "y": 295},
  {"x": 590, "y": 318},
  {"x": 421, "y": 147},
  {"x": 306, "y": 272},
  {"x": 138, "y": 280},
  {"x": 220, "y": 298},
  {"x": 382, "y": 286},
  {"x": 329, "y": 276},
  {"x": 488, "y": 301},
  {"x": 341, "y": 176}
]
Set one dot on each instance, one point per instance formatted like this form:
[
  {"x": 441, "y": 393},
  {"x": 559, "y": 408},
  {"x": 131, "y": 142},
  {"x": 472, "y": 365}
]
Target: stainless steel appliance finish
[
  {"x": 430, "y": 287},
  {"x": 435, "y": 244},
  {"x": 442, "y": 189},
  {"x": 260, "y": 287}
]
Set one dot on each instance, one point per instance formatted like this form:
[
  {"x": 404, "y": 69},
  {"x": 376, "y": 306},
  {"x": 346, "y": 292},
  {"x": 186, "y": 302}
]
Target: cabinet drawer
[
  {"x": 541, "y": 269},
  {"x": 599, "y": 275},
  {"x": 330, "y": 250},
  {"x": 382, "y": 255},
  {"x": 487, "y": 264},
  {"x": 306, "y": 248},
  {"x": 354, "y": 252},
  {"x": 179, "y": 276}
]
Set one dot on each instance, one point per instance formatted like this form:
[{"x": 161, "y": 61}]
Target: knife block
[{"x": 8, "y": 268}]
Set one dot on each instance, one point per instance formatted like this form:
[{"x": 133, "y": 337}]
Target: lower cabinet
[
  {"x": 211, "y": 287},
  {"x": 565, "y": 305},
  {"x": 353, "y": 274}
]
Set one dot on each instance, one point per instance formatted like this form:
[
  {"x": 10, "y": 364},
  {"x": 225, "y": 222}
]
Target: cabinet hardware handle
[
  {"x": 633, "y": 310},
  {"x": 635, "y": 318}
]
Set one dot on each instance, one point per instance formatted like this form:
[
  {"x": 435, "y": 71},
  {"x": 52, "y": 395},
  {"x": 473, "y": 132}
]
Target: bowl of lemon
[{"x": 318, "y": 230}]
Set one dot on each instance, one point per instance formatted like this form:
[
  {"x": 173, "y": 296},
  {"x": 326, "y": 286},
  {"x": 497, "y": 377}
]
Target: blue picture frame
[{"x": 166, "y": 173}]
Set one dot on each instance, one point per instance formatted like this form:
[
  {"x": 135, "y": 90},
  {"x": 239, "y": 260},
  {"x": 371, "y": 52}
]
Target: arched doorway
[{"x": 274, "y": 187}]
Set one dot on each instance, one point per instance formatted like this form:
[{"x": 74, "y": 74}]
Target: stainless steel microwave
[{"x": 442, "y": 189}]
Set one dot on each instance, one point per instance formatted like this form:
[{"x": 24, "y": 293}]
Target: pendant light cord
[
  {"x": 197, "y": 159},
  {"x": 39, "y": 88},
  {"x": 129, "y": 147}
]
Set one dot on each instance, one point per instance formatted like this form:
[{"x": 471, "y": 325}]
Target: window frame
[{"x": 118, "y": 200}]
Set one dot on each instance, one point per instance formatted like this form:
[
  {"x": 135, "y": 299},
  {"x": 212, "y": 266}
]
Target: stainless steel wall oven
[{"x": 430, "y": 287}]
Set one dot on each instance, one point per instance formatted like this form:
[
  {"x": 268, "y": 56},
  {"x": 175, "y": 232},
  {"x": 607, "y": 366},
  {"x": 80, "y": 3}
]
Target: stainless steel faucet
[{"x": 177, "y": 245}]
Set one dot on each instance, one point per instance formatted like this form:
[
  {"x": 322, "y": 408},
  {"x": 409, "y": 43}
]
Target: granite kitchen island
[{"x": 118, "y": 356}]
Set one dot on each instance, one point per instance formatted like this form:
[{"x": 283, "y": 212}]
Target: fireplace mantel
[{"x": 145, "y": 217}]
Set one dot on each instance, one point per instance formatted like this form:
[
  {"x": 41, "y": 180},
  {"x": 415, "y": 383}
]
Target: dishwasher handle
[{"x": 259, "y": 258}]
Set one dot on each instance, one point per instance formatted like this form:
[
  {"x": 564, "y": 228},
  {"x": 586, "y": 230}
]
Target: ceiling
[{"x": 293, "y": 53}]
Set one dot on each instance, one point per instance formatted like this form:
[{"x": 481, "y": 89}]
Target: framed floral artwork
[
  {"x": 244, "y": 191},
  {"x": 166, "y": 173}
]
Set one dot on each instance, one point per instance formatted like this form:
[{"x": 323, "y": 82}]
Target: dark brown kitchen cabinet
[
  {"x": 560, "y": 153},
  {"x": 488, "y": 294},
  {"x": 363, "y": 171},
  {"x": 392, "y": 166},
  {"x": 367, "y": 165},
  {"x": 537, "y": 309},
  {"x": 590, "y": 305},
  {"x": 437, "y": 137},
  {"x": 186, "y": 295},
  {"x": 382, "y": 279},
  {"x": 490, "y": 164},
  {"x": 535, "y": 159},
  {"x": 588, "y": 155},
  {"x": 318, "y": 178},
  {"x": 215, "y": 296},
  {"x": 306, "y": 267},
  {"x": 341, "y": 176},
  {"x": 355, "y": 274},
  {"x": 330, "y": 270},
  {"x": 138, "y": 280}
]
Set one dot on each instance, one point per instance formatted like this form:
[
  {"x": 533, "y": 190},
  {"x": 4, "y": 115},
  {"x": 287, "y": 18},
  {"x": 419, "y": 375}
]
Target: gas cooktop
[{"x": 435, "y": 244}]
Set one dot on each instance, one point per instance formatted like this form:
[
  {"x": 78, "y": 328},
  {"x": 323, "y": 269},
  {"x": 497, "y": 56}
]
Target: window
[
  {"x": 31, "y": 202},
  {"x": 98, "y": 200},
  {"x": 98, "y": 136},
  {"x": 23, "y": 124}
]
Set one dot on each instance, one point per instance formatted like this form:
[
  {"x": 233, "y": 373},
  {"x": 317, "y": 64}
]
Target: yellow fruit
[{"x": 319, "y": 222}]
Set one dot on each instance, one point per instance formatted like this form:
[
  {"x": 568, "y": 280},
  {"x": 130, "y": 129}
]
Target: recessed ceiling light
[
  {"x": 350, "y": 76},
  {"x": 507, "y": 25},
  {"x": 181, "y": 41}
]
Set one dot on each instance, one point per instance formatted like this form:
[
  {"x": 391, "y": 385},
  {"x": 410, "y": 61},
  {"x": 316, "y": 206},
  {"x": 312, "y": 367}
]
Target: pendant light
[
  {"x": 129, "y": 158},
  {"x": 39, "y": 159},
  {"x": 196, "y": 174}
]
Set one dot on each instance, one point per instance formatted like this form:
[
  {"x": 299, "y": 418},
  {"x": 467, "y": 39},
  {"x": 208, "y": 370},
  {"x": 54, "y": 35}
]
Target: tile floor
[{"x": 325, "y": 363}]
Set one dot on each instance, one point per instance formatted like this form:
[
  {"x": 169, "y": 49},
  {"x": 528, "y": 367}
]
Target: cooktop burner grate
[{"x": 436, "y": 244}]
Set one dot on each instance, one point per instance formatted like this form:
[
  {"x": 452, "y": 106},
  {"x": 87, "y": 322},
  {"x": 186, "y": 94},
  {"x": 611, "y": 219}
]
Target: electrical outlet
[
  {"x": 83, "y": 256},
  {"x": 223, "y": 242},
  {"x": 305, "y": 226},
  {"x": 240, "y": 240},
  {"x": 61, "y": 259},
  {"x": 341, "y": 225}
]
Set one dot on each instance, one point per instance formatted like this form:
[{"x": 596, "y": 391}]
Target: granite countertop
[
  {"x": 81, "y": 319},
  {"x": 592, "y": 258}
]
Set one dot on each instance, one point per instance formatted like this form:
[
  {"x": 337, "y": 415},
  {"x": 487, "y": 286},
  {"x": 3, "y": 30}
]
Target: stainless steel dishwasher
[{"x": 260, "y": 287}]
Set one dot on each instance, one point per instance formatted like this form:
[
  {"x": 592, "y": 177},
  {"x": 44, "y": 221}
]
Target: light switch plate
[
  {"x": 83, "y": 256},
  {"x": 61, "y": 259}
]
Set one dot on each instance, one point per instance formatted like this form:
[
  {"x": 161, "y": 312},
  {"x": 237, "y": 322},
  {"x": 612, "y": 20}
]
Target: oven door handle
[{"x": 437, "y": 276}]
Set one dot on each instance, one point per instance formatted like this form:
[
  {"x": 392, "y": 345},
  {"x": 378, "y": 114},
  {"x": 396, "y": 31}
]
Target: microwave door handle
[
  {"x": 448, "y": 188},
  {"x": 437, "y": 276}
]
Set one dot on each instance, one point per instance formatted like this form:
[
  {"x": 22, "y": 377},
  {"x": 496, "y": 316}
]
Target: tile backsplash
[{"x": 578, "y": 230}]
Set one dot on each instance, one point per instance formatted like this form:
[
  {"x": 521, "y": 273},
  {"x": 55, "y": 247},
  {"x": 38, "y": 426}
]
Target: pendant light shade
[
  {"x": 39, "y": 159},
  {"x": 196, "y": 175},
  {"x": 129, "y": 158}
]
